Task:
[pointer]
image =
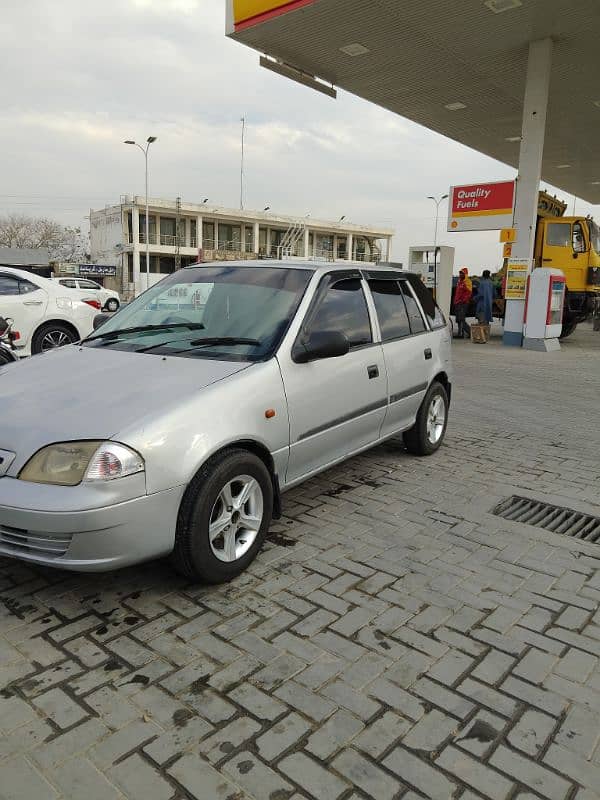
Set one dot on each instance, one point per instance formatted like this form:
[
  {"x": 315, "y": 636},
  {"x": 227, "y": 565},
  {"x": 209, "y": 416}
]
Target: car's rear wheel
[
  {"x": 224, "y": 517},
  {"x": 112, "y": 304},
  {"x": 428, "y": 432},
  {"x": 52, "y": 335}
]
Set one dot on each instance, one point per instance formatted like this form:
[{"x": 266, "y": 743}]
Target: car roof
[{"x": 313, "y": 266}]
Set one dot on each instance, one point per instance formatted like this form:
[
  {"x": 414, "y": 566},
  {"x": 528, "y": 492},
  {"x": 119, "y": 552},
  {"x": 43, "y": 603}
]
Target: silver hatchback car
[{"x": 175, "y": 427}]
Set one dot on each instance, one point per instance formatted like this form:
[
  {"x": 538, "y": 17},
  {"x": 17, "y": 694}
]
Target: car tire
[
  {"x": 428, "y": 432},
  {"x": 56, "y": 332},
  {"x": 212, "y": 544},
  {"x": 112, "y": 304}
]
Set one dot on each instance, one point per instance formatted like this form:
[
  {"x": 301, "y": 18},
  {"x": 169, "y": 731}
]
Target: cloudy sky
[{"x": 79, "y": 77}]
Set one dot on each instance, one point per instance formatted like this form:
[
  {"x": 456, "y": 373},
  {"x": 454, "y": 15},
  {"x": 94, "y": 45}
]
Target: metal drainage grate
[{"x": 551, "y": 518}]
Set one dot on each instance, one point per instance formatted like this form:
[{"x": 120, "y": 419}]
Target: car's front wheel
[
  {"x": 224, "y": 517},
  {"x": 427, "y": 434},
  {"x": 112, "y": 304},
  {"x": 52, "y": 335}
]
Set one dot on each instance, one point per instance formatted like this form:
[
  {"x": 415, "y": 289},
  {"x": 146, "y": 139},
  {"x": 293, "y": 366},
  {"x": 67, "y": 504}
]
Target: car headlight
[{"x": 71, "y": 463}]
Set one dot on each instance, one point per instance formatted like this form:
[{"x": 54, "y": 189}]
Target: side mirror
[
  {"x": 99, "y": 320},
  {"x": 321, "y": 344}
]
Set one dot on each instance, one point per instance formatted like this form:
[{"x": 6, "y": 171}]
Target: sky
[{"x": 80, "y": 77}]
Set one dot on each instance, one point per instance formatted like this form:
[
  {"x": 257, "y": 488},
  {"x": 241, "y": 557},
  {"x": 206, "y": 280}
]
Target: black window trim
[{"x": 324, "y": 284}]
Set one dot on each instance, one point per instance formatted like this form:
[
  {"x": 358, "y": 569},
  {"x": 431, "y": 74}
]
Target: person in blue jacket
[{"x": 485, "y": 299}]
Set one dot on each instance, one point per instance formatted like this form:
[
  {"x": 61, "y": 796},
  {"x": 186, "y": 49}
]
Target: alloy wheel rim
[
  {"x": 235, "y": 519},
  {"x": 436, "y": 420},
  {"x": 54, "y": 339}
]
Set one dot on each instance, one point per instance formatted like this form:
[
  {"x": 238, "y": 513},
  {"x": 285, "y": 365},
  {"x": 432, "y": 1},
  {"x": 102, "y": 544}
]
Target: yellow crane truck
[{"x": 571, "y": 244}]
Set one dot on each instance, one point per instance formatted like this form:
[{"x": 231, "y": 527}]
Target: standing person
[
  {"x": 462, "y": 298},
  {"x": 485, "y": 299}
]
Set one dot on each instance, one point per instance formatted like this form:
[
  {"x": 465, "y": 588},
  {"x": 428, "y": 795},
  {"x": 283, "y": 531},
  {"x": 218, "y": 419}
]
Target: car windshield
[{"x": 229, "y": 312}]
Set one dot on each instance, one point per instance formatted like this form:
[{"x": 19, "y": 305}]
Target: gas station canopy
[{"x": 457, "y": 67}]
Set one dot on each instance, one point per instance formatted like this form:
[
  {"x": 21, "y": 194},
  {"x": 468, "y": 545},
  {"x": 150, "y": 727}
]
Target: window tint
[
  {"x": 417, "y": 325},
  {"x": 69, "y": 284},
  {"x": 391, "y": 311},
  {"x": 88, "y": 285},
  {"x": 344, "y": 309},
  {"x": 8, "y": 285},
  {"x": 26, "y": 287},
  {"x": 428, "y": 304},
  {"x": 558, "y": 234}
]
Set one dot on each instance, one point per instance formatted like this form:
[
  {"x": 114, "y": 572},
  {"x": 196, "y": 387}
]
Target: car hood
[{"x": 93, "y": 393}]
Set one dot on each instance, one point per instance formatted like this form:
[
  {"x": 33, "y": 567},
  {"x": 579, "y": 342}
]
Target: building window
[
  {"x": 208, "y": 235},
  {"x": 262, "y": 240},
  {"x": 151, "y": 226},
  {"x": 249, "y": 239},
  {"x": 193, "y": 234},
  {"x": 230, "y": 237},
  {"x": 181, "y": 232},
  {"x": 167, "y": 231}
]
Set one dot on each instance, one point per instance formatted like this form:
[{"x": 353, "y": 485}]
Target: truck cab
[{"x": 571, "y": 244}]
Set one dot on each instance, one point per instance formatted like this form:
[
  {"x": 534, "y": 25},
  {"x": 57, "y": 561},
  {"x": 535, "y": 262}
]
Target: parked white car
[
  {"x": 87, "y": 288},
  {"x": 44, "y": 314}
]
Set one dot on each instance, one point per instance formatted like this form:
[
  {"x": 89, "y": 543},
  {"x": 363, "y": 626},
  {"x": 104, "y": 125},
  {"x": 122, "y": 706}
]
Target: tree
[{"x": 64, "y": 243}]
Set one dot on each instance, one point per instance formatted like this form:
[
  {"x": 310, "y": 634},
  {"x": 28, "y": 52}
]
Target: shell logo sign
[
  {"x": 481, "y": 206},
  {"x": 247, "y": 13}
]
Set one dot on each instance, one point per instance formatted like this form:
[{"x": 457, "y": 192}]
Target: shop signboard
[{"x": 244, "y": 14}]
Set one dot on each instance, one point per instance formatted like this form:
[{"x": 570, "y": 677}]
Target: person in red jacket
[{"x": 462, "y": 298}]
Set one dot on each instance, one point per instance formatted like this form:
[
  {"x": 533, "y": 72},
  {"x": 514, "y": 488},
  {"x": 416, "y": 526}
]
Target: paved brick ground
[{"x": 394, "y": 640}]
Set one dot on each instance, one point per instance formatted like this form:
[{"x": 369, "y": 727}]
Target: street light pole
[
  {"x": 144, "y": 150},
  {"x": 437, "y": 214}
]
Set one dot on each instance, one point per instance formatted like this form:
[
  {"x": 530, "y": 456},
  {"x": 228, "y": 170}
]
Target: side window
[
  {"x": 8, "y": 285},
  {"x": 69, "y": 284},
  {"x": 578, "y": 238},
  {"x": 428, "y": 304},
  {"x": 27, "y": 287},
  {"x": 417, "y": 324},
  {"x": 344, "y": 309},
  {"x": 88, "y": 285},
  {"x": 558, "y": 234},
  {"x": 391, "y": 311}
]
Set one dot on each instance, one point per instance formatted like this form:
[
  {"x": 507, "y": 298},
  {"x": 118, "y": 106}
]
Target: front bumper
[{"x": 91, "y": 540}]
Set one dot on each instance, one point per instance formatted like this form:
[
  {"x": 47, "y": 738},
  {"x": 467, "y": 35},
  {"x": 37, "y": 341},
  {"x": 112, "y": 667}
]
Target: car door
[
  {"x": 336, "y": 405},
  {"x": 23, "y": 302},
  {"x": 407, "y": 348}
]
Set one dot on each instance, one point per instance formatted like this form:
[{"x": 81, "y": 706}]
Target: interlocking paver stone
[
  {"x": 524, "y": 770},
  {"x": 312, "y": 777}
]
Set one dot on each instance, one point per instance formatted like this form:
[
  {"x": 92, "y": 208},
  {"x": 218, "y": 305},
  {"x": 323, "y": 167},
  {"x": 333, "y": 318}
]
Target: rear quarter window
[{"x": 430, "y": 308}]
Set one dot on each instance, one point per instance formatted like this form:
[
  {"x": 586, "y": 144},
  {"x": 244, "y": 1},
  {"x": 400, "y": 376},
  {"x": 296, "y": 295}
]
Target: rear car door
[
  {"x": 407, "y": 348},
  {"x": 23, "y": 302},
  {"x": 336, "y": 405}
]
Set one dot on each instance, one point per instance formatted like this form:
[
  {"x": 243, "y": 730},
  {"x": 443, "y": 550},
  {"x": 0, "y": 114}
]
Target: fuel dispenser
[{"x": 544, "y": 309}]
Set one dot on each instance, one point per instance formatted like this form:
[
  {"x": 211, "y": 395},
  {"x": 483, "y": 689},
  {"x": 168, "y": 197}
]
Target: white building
[{"x": 185, "y": 233}]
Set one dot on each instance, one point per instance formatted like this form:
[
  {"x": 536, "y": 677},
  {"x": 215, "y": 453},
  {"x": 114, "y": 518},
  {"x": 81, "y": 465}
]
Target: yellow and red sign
[
  {"x": 247, "y": 13},
  {"x": 481, "y": 206}
]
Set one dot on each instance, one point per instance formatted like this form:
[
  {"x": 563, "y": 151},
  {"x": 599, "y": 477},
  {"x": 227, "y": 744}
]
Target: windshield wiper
[
  {"x": 204, "y": 342},
  {"x": 192, "y": 326}
]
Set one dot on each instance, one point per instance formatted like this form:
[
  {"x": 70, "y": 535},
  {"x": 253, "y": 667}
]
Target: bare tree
[{"x": 64, "y": 243}]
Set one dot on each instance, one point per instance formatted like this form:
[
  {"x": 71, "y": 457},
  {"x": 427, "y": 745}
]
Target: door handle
[
  {"x": 373, "y": 371},
  {"x": 546, "y": 259},
  {"x": 428, "y": 354},
  {"x": 32, "y": 302}
]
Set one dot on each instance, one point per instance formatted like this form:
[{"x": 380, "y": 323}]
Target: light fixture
[
  {"x": 513, "y": 139},
  {"x": 267, "y": 208},
  {"x": 342, "y": 218},
  {"x": 595, "y": 183},
  {"x": 128, "y": 141},
  {"x": 499, "y": 6},
  {"x": 295, "y": 74},
  {"x": 564, "y": 166},
  {"x": 355, "y": 49},
  {"x": 458, "y": 106},
  {"x": 151, "y": 139},
  {"x": 205, "y": 200}
]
